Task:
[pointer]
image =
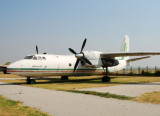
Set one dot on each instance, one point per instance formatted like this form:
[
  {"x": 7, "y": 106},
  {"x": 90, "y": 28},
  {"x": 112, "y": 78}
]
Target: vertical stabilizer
[{"x": 125, "y": 46}]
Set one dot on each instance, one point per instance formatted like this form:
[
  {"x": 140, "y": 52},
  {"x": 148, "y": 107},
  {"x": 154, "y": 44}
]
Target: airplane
[
  {"x": 83, "y": 63},
  {"x": 4, "y": 67}
]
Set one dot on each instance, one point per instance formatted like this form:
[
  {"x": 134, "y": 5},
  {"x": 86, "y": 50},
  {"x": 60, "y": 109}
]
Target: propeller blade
[
  {"x": 79, "y": 57},
  {"x": 84, "y": 43},
  {"x": 37, "y": 49},
  {"x": 71, "y": 50},
  {"x": 76, "y": 64},
  {"x": 86, "y": 60}
]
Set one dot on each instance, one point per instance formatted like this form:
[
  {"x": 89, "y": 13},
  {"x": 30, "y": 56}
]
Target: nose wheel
[
  {"x": 30, "y": 81},
  {"x": 64, "y": 77}
]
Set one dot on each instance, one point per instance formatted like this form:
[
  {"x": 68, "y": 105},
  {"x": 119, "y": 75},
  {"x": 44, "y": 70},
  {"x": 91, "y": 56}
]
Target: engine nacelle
[
  {"x": 109, "y": 62},
  {"x": 93, "y": 57}
]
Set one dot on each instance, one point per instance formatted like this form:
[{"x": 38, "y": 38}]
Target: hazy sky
[{"x": 56, "y": 25}]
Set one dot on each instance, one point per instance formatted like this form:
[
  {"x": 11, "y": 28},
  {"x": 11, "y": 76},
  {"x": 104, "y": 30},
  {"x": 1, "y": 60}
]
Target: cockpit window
[{"x": 28, "y": 57}]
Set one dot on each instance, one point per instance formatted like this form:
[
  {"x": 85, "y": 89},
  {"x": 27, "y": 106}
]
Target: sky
[{"x": 56, "y": 25}]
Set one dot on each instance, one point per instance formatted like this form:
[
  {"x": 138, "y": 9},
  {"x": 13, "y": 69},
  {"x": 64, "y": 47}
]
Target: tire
[
  {"x": 64, "y": 78},
  {"x": 4, "y": 72},
  {"x": 32, "y": 81},
  {"x": 28, "y": 81},
  {"x": 106, "y": 79}
]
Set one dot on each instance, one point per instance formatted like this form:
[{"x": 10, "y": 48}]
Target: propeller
[
  {"x": 37, "y": 49},
  {"x": 80, "y": 56}
]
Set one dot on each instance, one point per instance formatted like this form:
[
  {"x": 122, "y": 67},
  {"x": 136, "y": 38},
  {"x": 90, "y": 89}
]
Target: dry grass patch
[
  {"x": 153, "y": 97},
  {"x": 17, "y": 81},
  {"x": 135, "y": 79},
  {"x": 15, "y": 108},
  {"x": 72, "y": 83},
  {"x": 9, "y": 75},
  {"x": 83, "y": 82},
  {"x": 93, "y": 81},
  {"x": 68, "y": 86}
]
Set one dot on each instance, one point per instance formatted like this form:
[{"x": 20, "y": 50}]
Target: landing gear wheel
[
  {"x": 5, "y": 72},
  {"x": 106, "y": 79},
  {"x": 30, "y": 81},
  {"x": 64, "y": 77}
]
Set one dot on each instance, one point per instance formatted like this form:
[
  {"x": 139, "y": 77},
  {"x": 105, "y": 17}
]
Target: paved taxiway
[
  {"x": 132, "y": 90},
  {"x": 60, "y": 103}
]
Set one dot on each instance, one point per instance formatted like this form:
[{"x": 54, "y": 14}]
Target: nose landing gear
[
  {"x": 64, "y": 77},
  {"x": 30, "y": 81}
]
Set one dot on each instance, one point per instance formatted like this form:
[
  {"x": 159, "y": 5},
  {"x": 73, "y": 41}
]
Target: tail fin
[
  {"x": 125, "y": 46},
  {"x": 7, "y": 63}
]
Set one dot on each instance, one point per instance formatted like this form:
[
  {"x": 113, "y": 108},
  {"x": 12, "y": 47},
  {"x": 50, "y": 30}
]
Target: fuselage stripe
[{"x": 54, "y": 70}]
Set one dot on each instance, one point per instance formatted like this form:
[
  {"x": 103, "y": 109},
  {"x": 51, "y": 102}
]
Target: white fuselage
[{"x": 60, "y": 65}]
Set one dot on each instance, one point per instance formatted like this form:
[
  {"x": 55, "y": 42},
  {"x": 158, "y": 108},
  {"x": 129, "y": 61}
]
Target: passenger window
[
  {"x": 39, "y": 58},
  {"x": 43, "y": 58},
  {"x": 34, "y": 58}
]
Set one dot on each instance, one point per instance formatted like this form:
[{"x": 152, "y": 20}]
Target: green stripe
[
  {"x": 125, "y": 46},
  {"x": 47, "y": 69},
  {"x": 124, "y": 50}
]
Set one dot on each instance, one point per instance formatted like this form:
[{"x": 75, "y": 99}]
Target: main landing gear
[
  {"x": 106, "y": 78},
  {"x": 64, "y": 77},
  {"x": 30, "y": 81}
]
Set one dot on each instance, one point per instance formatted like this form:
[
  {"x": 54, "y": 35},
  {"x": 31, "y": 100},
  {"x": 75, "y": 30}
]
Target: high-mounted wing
[
  {"x": 123, "y": 54},
  {"x": 135, "y": 59}
]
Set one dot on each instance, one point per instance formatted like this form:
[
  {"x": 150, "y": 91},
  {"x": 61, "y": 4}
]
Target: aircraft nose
[
  {"x": 13, "y": 67},
  {"x": 10, "y": 66}
]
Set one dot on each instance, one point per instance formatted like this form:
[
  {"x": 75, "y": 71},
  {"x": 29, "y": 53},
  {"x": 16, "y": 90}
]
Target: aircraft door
[
  {"x": 59, "y": 71},
  {"x": 64, "y": 66}
]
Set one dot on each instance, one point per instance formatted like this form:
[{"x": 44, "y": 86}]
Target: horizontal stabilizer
[{"x": 5, "y": 65}]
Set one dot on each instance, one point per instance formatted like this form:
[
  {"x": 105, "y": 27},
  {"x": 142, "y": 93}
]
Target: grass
[
  {"x": 153, "y": 97},
  {"x": 84, "y": 82},
  {"x": 92, "y": 81},
  {"x": 71, "y": 84},
  {"x": 15, "y": 108},
  {"x": 9, "y": 75},
  {"x": 106, "y": 95},
  {"x": 135, "y": 79}
]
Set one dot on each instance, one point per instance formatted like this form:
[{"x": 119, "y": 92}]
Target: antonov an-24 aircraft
[{"x": 84, "y": 63}]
